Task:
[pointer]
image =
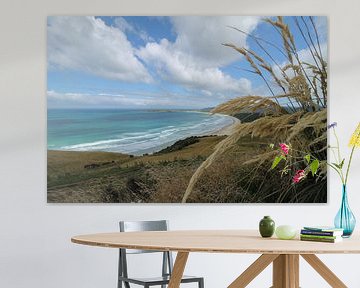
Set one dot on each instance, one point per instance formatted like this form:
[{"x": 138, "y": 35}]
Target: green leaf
[
  {"x": 307, "y": 158},
  {"x": 314, "y": 165},
  {"x": 342, "y": 163},
  {"x": 339, "y": 166},
  {"x": 276, "y": 161},
  {"x": 271, "y": 146},
  {"x": 336, "y": 165},
  {"x": 285, "y": 171}
]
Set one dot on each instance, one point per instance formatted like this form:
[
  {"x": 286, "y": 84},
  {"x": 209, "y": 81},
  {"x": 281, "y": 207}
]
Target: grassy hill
[{"x": 114, "y": 177}]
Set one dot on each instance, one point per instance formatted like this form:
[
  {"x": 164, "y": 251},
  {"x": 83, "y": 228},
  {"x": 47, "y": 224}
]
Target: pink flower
[
  {"x": 284, "y": 148},
  {"x": 300, "y": 174}
]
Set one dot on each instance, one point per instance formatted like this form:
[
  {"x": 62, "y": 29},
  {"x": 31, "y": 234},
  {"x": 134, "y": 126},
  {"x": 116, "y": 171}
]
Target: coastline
[
  {"x": 228, "y": 129},
  {"x": 91, "y": 177},
  {"x": 162, "y": 142}
]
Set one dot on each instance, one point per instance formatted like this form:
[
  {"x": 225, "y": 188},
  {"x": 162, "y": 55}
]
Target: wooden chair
[{"x": 167, "y": 262}]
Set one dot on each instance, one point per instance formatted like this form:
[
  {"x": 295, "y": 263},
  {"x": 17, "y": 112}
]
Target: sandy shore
[
  {"x": 224, "y": 131},
  {"x": 227, "y": 130}
]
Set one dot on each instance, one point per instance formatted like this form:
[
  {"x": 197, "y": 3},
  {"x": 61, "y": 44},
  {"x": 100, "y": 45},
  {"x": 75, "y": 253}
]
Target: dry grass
[
  {"x": 301, "y": 122},
  {"x": 229, "y": 181},
  {"x": 171, "y": 180},
  {"x": 121, "y": 178},
  {"x": 250, "y": 104}
]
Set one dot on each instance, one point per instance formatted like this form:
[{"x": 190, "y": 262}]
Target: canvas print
[{"x": 187, "y": 109}]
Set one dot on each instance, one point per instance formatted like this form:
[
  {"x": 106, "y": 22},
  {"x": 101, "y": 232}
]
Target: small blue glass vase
[{"x": 345, "y": 219}]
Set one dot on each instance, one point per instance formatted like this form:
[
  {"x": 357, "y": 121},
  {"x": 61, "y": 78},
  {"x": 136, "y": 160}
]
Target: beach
[
  {"x": 229, "y": 129},
  {"x": 78, "y": 176}
]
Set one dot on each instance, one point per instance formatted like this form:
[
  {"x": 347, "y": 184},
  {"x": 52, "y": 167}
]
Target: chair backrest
[{"x": 135, "y": 226}]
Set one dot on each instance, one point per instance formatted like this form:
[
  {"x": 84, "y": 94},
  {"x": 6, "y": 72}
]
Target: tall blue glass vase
[{"x": 345, "y": 219}]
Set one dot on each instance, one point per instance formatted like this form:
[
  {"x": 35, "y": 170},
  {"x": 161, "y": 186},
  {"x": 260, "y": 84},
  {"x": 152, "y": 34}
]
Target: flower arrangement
[
  {"x": 344, "y": 219},
  {"x": 311, "y": 163},
  {"x": 339, "y": 163}
]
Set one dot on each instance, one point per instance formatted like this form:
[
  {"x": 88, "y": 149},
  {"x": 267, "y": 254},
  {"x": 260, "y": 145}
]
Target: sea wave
[{"x": 138, "y": 143}]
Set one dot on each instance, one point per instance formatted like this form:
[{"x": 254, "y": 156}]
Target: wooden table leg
[
  {"x": 324, "y": 271},
  {"x": 253, "y": 270},
  {"x": 293, "y": 262},
  {"x": 279, "y": 269},
  {"x": 286, "y": 271},
  {"x": 178, "y": 269}
]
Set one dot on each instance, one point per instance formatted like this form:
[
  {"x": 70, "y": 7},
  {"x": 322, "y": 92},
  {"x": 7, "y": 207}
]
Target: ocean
[{"x": 127, "y": 131}]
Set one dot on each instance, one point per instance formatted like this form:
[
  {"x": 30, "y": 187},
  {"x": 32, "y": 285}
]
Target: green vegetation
[
  {"x": 112, "y": 177},
  {"x": 296, "y": 115},
  {"x": 178, "y": 145}
]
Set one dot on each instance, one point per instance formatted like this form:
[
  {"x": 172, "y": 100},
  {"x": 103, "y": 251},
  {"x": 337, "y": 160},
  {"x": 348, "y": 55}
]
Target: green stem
[
  {"x": 338, "y": 144},
  {"x": 337, "y": 171},
  {"x": 334, "y": 154},
  {"x": 304, "y": 153},
  {"x": 348, "y": 167},
  {"x": 339, "y": 160},
  {"x": 339, "y": 154}
]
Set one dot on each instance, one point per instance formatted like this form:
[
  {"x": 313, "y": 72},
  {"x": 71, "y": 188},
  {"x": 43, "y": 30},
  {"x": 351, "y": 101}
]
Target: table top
[{"x": 217, "y": 241}]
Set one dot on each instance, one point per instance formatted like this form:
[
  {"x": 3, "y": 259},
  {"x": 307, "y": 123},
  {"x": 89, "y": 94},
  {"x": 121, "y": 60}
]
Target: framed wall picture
[{"x": 187, "y": 109}]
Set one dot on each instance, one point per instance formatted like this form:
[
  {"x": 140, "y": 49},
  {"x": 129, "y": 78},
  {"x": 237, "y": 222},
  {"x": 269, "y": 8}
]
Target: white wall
[{"x": 35, "y": 248}]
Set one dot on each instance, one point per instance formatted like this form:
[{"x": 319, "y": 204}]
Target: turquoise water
[{"x": 126, "y": 131}]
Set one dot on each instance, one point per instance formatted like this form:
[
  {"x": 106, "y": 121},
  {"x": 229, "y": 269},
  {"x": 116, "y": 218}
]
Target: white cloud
[
  {"x": 124, "y": 26},
  {"x": 86, "y": 44},
  {"x": 195, "y": 59},
  {"x": 202, "y": 37},
  {"x": 56, "y": 99},
  {"x": 142, "y": 100},
  {"x": 306, "y": 56},
  {"x": 321, "y": 24},
  {"x": 181, "y": 68}
]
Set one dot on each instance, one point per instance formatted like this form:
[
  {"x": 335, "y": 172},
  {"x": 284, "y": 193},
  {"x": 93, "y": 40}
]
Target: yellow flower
[{"x": 355, "y": 138}]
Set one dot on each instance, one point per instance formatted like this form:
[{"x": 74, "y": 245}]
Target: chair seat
[{"x": 158, "y": 280}]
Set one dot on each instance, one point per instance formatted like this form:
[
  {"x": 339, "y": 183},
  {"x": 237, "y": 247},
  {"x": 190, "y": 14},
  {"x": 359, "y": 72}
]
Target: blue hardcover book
[{"x": 322, "y": 231}]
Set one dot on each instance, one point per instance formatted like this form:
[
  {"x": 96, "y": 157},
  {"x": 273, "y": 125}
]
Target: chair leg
[
  {"x": 120, "y": 273},
  {"x": 201, "y": 283}
]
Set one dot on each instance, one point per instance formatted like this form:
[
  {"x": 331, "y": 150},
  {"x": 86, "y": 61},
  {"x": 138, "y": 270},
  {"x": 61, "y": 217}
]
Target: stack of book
[{"x": 321, "y": 234}]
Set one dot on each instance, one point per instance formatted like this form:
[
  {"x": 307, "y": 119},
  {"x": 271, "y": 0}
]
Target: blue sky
[{"x": 158, "y": 62}]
